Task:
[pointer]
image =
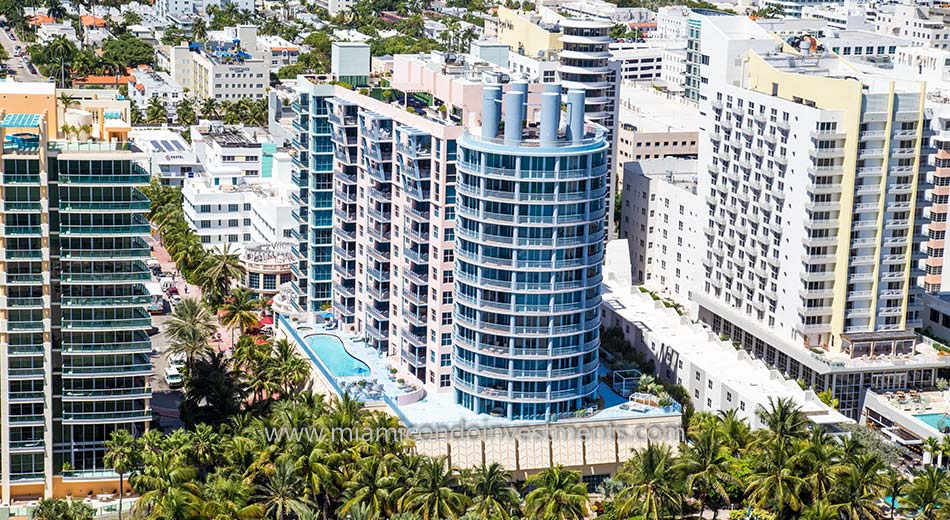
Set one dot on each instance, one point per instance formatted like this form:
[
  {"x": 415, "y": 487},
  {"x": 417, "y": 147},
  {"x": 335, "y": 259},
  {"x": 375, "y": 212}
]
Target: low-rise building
[
  {"x": 654, "y": 125},
  {"x": 916, "y": 22},
  {"x": 846, "y": 18},
  {"x": 268, "y": 265},
  {"x": 244, "y": 192},
  {"x": 864, "y": 45},
  {"x": 673, "y": 71},
  {"x": 49, "y": 31},
  {"x": 717, "y": 375},
  {"x": 277, "y": 52},
  {"x": 671, "y": 22},
  {"x": 170, "y": 158},
  {"x": 146, "y": 84},
  {"x": 793, "y": 8},
  {"x": 659, "y": 206},
  {"x": 222, "y": 68}
]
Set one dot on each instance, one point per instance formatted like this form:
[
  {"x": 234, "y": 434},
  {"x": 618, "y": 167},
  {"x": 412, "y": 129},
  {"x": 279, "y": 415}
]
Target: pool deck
[{"x": 440, "y": 408}]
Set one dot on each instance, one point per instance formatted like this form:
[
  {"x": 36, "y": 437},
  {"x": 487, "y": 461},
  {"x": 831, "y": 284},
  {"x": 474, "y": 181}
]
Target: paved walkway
[{"x": 187, "y": 290}]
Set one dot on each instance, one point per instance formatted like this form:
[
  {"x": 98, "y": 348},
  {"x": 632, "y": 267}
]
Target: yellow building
[{"x": 525, "y": 33}]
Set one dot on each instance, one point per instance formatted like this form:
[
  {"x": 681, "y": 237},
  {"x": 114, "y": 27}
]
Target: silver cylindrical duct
[
  {"x": 552, "y": 87},
  {"x": 550, "y": 116},
  {"x": 514, "y": 115},
  {"x": 575, "y": 122},
  {"x": 521, "y": 86},
  {"x": 491, "y": 112}
]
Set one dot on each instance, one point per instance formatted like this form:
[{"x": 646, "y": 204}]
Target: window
[
  {"x": 445, "y": 380},
  {"x": 445, "y": 360}
]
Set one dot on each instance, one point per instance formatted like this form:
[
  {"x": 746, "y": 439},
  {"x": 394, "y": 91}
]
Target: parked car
[
  {"x": 173, "y": 378},
  {"x": 177, "y": 360},
  {"x": 175, "y": 300}
]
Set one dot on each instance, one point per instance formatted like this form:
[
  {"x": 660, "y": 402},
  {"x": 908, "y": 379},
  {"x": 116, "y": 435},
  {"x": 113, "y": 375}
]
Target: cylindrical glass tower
[{"x": 529, "y": 249}]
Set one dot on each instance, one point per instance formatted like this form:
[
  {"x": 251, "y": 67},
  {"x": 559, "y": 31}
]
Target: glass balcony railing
[
  {"x": 81, "y": 254},
  {"x": 25, "y": 325},
  {"x": 112, "y": 205},
  {"x": 27, "y": 444},
  {"x": 22, "y": 230},
  {"x": 127, "y": 346},
  {"x": 23, "y": 254},
  {"x": 99, "y": 416},
  {"x": 24, "y": 302},
  {"x": 133, "y": 323},
  {"x": 137, "y": 229},
  {"x": 104, "y": 301},
  {"x": 26, "y": 349},
  {"x": 14, "y": 206},
  {"x": 80, "y": 393},
  {"x": 21, "y": 179},
  {"x": 26, "y": 418},
  {"x": 106, "y": 369},
  {"x": 105, "y": 277}
]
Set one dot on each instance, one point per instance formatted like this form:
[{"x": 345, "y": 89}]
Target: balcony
[
  {"x": 107, "y": 370},
  {"x": 97, "y": 324},
  {"x": 346, "y": 291},
  {"x": 21, "y": 180},
  {"x": 133, "y": 179},
  {"x": 415, "y": 360},
  {"x": 106, "y": 417},
  {"x": 95, "y": 230},
  {"x": 20, "y": 207}
]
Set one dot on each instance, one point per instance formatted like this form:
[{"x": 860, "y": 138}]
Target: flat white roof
[
  {"x": 702, "y": 348},
  {"x": 30, "y": 87},
  {"x": 652, "y": 111}
]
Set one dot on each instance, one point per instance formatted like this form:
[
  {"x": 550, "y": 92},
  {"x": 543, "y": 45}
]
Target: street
[{"x": 20, "y": 74}]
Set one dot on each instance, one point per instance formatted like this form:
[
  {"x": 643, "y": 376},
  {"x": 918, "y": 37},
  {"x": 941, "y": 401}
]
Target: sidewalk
[{"x": 187, "y": 290}]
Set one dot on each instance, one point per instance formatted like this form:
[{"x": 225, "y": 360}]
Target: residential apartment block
[
  {"x": 73, "y": 318},
  {"x": 528, "y": 256},
  {"x": 812, "y": 175},
  {"x": 659, "y": 209}
]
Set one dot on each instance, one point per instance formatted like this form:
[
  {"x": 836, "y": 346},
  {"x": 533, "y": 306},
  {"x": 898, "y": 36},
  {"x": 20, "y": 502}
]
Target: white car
[
  {"x": 175, "y": 300},
  {"x": 173, "y": 378},
  {"x": 177, "y": 360}
]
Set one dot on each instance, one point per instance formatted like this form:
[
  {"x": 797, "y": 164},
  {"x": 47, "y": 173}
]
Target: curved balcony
[
  {"x": 510, "y": 372},
  {"x": 527, "y": 175},
  {"x": 510, "y": 328},
  {"x": 528, "y": 287},
  {"x": 497, "y": 394},
  {"x": 528, "y": 197}
]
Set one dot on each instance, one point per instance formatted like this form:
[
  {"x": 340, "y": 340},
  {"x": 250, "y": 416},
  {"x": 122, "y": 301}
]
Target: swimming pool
[
  {"x": 937, "y": 420},
  {"x": 330, "y": 350}
]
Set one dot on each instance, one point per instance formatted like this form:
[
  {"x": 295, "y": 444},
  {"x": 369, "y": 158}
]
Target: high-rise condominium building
[
  {"x": 313, "y": 175},
  {"x": 935, "y": 277},
  {"x": 586, "y": 65},
  {"x": 529, "y": 250},
  {"x": 394, "y": 203},
  {"x": 73, "y": 318},
  {"x": 812, "y": 174}
]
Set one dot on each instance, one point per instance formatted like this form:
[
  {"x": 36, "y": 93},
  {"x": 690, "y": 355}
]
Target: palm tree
[
  {"x": 199, "y": 30},
  {"x": 821, "y": 459},
  {"x": 229, "y": 498},
  {"x": 858, "y": 489},
  {"x": 62, "y": 50},
  {"x": 649, "y": 475},
  {"x": 155, "y": 112},
  {"x": 290, "y": 370},
  {"x": 49, "y": 509},
  {"x": 493, "y": 496},
  {"x": 433, "y": 492},
  {"x": 735, "y": 430},
  {"x": 239, "y": 312},
  {"x": 932, "y": 446},
  {"x": 372, "y": 485},
  {"x": 776, "y": 486},
  {"x": 209, "y": 108},
  {"x": 556, "y": 494},
  {"x": 282, "y": 495},
  {"x": 189, "y": 329},
  {"x": 822, "y": 510},
  {"x": 66, "y": 100},
  {"x": 706, "y": 465},
  {"x": 784, "y": 420},
  {"x": 219, "y": 272},
  {"x": 927, "y": 493},
  {"x": 121, "y": 455},
  {"x": 186, "y": 112},
  {"x": 894, "y": 484}
]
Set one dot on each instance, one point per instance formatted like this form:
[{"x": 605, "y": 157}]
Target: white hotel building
[{"x": 811, "y": 175}]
